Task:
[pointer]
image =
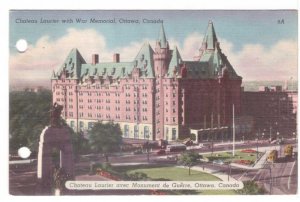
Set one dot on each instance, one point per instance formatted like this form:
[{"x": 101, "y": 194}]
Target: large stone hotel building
[{"x": 157, "y": 95}]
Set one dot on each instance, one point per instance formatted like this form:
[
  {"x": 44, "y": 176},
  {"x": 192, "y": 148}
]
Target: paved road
[{"x": 282, "y": 178}]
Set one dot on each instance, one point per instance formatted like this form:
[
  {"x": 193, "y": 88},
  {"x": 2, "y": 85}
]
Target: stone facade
[{"x": 156, "y": 96}]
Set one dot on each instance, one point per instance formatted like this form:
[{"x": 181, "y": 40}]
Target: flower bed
[
  {"x": 243, "y": 162},
  {"x": 156, "y": 192},
  {"x": 106, "y": 174},
  {"x": 248, "y": 151}
]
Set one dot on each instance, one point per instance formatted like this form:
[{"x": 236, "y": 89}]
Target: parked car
[
  {"x": 176, "y": 148},
  {"x": 218, "y": 161},
  {"x": 137, "y": 152},
  {"x": 188, "y": 142},
  {"x": 161, "y": 152}
]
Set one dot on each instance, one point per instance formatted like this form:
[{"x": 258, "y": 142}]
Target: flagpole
[{"x": 233, "y": 131}]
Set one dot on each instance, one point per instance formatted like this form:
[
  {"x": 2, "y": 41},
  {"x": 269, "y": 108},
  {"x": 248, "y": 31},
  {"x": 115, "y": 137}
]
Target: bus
[
  {"x": 288, "y": 151},
  {"x": 176, "y": 147},
  {"x": 273, "y": 156}
]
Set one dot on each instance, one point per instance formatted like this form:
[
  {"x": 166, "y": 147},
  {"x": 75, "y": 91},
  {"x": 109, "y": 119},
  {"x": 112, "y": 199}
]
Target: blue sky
[{"x": 258, "y": 47}]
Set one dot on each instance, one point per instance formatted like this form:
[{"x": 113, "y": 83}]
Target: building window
[
  {"x": 90, "y": 125},
  {"x": 173, "y": 133},
  {"x": 126, "y": 131},
  {"x": 146, "y": 132},
  {"x": 81, "y": 125},
  {"x": 136, "y": 131},
  {"x": 72, "y": 124}
]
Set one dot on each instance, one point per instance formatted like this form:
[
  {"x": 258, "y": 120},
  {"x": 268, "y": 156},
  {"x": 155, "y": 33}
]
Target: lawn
[
  {"x": 178, "y": 174},
  {"x": 174, "y": 173},
  {"x": 227, "y": 156}
]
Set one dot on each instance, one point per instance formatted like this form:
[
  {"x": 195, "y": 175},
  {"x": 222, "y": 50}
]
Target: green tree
[
  {"x": 105, "y": 138},
  {"x": 79, "y": 143},
  {"x": 251, "y": 188},
  {"x": 189, "y": 159},
  {"x": 28, "y": 116}
]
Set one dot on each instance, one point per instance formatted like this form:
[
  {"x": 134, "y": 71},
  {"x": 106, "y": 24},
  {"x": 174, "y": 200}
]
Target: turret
[
  {"x": 162, "y": 54},
  {"x": 210, "y": 41}
]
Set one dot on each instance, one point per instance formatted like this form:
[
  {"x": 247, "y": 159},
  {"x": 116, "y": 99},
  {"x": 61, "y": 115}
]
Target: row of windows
[
  {"x": 108, "y": 108},
  {"x": 117, "y": 116},
  {"x": 99, "y": 94},
  {"x": 106, "y": 101},
  {"x": 60, "y": 99},
  {"x": 145, "y": 131},
  {"x": 174, "y": 119},
  {"x": 174, "y": 110},
  {"x": 173, "y": 133}
]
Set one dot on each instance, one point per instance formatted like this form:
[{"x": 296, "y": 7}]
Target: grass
[
  {"x": 227, "y": 156},
  {"x": 174, "y": 173},
  {"x": 177, "y": 174}
]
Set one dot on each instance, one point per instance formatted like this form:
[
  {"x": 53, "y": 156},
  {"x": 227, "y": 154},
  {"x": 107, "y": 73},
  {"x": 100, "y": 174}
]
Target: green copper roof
[
  {"x": 211, "y": 64},
  {"x": 175, "y": 62},
  {"x": 115, "y": 70},
  {"x": 210, "y": 37},
  {"x": 162, "y": 37},
  {"x": 72, "y": 64},
  {"x": 144, "y": 61}
]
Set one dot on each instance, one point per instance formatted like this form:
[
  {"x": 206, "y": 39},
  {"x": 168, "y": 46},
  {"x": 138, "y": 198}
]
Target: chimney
[
  {"x": 95, "y": 59},
  {"x": 116, "y": 57}
]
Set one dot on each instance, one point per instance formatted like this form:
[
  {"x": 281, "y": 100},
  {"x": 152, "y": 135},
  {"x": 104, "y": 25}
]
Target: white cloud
[
  {"x": 253, "y": 62},
  {"x": 278, "y": 62}
]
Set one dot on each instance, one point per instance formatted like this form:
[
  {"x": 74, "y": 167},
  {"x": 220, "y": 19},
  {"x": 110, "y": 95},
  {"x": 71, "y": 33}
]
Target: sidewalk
[{"x": 222, "y": 176}]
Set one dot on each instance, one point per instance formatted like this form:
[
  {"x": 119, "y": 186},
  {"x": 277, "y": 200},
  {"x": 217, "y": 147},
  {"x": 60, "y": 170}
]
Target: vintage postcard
[{"x": 153, "y": 102}]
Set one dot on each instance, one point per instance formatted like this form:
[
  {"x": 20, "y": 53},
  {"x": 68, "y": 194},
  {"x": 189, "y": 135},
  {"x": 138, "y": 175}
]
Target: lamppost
[
  {"x": 270, "y": 133},
  {"x": 229, "y": 170},
  {"x": 256, "y": 147},
  {"x": 263, "y": 136},
  {"x": 270, "y": 170},
  {"x": 278, "y": 142},
  {"x": 243, "y": 138},
  {"x": 212, "y": 141},
  {"x": 147, "y": 144}
]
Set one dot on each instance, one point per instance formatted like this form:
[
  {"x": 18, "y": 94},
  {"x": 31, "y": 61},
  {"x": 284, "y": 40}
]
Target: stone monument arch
[{"x": 55, "y": 136}]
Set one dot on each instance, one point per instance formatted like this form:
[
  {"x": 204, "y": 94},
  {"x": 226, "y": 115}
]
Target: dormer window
[{"x": 142, "y": 57}]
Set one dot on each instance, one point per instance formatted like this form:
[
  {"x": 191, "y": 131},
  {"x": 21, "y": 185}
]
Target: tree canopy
[
  {"x": 105, "y": 137},
  {"x": 189, "y": 159},
  {"x": 28, "y": 116},
  {"x": 251, "y": 188}
]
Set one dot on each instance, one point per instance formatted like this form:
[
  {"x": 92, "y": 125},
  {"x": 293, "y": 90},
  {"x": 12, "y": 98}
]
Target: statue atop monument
[{"x": 55, "y": 115}]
